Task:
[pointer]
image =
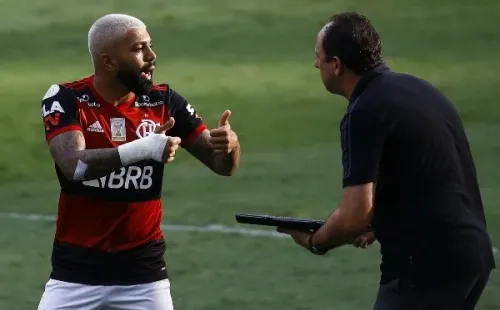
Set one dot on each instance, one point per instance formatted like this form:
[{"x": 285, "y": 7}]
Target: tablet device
[{"x": 281, "y": 221}]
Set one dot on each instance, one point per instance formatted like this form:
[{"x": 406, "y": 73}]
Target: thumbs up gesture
[{"x": 222, "y": 138}]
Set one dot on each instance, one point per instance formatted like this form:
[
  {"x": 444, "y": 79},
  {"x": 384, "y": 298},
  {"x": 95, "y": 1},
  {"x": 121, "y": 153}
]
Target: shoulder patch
[
  {"x": 52, "y": 91},
  {"x": 190, "y": 109}
]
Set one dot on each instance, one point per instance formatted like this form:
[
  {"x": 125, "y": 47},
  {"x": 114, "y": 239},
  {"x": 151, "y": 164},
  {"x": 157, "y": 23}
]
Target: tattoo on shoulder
[
  {"x": 64, "y": 148},
  {"x": 66, "y": 143}
]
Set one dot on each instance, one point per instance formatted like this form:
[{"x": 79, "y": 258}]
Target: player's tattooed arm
[
  {"x": 223, "y": 162},
  {"x": 79, "y": 164},
  {"x": 218, "y": 149}
]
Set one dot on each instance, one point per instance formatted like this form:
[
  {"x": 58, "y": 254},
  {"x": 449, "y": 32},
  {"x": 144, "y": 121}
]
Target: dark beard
[{"x": 133, "y": 82}]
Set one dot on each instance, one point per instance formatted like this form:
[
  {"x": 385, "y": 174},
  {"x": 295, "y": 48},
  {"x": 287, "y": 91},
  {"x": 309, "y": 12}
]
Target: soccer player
[
  {"x": 110, "y": 135},
  {"x": 408, "y": 171}
]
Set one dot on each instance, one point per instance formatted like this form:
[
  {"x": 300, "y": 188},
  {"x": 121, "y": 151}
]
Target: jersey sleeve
[
  {"x": 188, "y": 124},
  {"x": 363, "y": 132},
  {"x": 59, "y": 111}
]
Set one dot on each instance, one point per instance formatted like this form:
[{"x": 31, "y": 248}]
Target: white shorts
[{"x": 59, "y": 295}]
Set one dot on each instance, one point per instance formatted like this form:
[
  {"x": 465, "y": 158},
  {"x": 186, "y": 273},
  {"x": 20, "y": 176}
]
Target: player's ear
[
  {"x": 338, "y": 68},
  {"x": 108, "y": 62}
]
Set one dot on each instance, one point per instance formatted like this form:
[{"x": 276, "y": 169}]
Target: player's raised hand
[
  {"x": 165, "y": 127},
  {"x": 172, "y": 143},
  {"x": 223, "y": 139}
]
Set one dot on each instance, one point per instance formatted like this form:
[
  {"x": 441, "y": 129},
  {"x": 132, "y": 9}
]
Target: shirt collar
[{"x": 365, "y": 80}]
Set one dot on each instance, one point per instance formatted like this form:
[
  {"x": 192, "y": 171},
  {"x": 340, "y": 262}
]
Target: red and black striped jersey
[{"x": 108, "y": 229}]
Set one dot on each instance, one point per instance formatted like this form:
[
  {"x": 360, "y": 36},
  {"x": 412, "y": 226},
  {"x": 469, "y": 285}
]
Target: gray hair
[{"x": 110, "y": 28}]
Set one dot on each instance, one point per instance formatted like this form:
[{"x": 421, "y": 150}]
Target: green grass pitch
[{"x": 255, "y": 58}]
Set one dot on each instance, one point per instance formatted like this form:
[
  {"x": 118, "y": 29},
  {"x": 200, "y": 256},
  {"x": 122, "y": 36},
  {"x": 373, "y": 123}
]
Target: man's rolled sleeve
[{"x": 362, "y": 137}]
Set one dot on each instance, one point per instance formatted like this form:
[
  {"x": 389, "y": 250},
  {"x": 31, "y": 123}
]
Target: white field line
[{"x": 209, "y": 228}]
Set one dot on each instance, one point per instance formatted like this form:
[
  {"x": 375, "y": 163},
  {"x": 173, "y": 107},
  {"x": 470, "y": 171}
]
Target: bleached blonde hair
[{"x": 110, "y": 28}]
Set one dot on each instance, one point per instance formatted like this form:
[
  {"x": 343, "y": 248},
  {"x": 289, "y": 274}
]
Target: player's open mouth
[{"x": 148, "y": 73}]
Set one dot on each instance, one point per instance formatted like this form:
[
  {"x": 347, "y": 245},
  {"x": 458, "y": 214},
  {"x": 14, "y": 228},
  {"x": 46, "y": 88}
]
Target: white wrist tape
[
  {"x": 80, "y": 170},
  {"x": 150, "y": 147}
]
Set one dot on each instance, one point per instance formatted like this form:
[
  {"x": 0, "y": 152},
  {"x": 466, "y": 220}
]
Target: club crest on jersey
[
  {"x": 145, "y": 128},
  {"x": 118, "y": 130}
]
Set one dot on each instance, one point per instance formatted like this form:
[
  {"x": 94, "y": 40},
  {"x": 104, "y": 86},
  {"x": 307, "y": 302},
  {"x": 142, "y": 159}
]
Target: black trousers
[{"x": 459, "y": 293}]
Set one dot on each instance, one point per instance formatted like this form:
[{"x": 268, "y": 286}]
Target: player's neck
[
  {"x": 349, "y": 85},
  {"x": 111, "y": 91}
]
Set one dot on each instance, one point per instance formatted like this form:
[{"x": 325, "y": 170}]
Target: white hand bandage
[{"x": 150, "y": 147}]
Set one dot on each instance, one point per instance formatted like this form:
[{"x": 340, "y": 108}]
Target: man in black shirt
[{"x": 408, "y": 172}]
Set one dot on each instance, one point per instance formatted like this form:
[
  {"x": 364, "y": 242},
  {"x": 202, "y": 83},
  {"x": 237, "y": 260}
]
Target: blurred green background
[{"x": 256, "y": 58}]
